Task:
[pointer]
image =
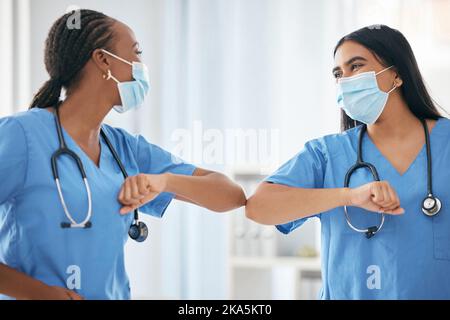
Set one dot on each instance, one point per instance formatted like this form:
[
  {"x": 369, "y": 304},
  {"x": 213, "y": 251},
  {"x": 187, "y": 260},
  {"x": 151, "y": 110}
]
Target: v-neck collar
[
  {"x": 413, "y": 162},
  {"x": 73, "y": 144}
]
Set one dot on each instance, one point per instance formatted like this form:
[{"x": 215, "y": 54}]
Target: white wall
[
  {"x": 6, "y": 39},
  {"x": 14, "y": 56}
]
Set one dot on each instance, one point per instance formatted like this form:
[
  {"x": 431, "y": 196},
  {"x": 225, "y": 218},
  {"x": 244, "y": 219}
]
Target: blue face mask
[
  {"x": 132, "y": 93},
  {"x": 361, "y": 98}
]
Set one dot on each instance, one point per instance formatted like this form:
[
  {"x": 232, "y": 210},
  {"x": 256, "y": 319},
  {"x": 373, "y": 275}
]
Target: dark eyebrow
[{"x": 350, "y": 62}]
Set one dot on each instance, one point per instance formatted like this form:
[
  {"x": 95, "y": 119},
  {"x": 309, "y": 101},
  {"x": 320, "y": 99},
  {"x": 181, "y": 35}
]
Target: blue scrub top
[
  {"x": 410, "y": 257},
  {"x": 89, "y": 261}
]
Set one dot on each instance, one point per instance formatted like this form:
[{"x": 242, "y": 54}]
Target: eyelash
[
  {"x": 139, "y": 52},
  {"x": 352, "y": 67},
  {"x": 356, "y": 65}
]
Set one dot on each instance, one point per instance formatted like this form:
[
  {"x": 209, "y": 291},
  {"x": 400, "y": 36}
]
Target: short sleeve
[
  {"x": 13, "y": 158},
  {"x": 305, "y": 170},
  {"x": 155, "y": 160}
]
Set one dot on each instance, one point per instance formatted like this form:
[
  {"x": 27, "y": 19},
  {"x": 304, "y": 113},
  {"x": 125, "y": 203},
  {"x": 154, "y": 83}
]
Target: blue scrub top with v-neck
[
  {"x": 88, "y": 261},
  {"x": 410, "y": 257}
]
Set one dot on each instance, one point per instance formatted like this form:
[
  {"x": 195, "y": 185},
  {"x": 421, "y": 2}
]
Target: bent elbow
[
  {"x": 237, "y": 199},
  {"x": 249, "y": 212},
  {"x": 253, "y": 211}
]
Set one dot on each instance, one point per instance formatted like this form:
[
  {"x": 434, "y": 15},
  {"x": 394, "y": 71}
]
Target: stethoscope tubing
[
  {"x": 360, "y": 163},
  {"x": 64, "y": 150}
]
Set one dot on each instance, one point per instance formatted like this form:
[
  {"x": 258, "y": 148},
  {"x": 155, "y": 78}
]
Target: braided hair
[{"x": 67, "y": 50}]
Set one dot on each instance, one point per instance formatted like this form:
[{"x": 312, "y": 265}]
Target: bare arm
[
  {"x": 274, "y": 204},
  {"x": 208, "y": 189},
  {"x": 20, "y": 286}
]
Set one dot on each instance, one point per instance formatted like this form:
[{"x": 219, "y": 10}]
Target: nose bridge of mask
[
  {"x": 368, "y": 74},
  {"x": 363, "y": 81}
]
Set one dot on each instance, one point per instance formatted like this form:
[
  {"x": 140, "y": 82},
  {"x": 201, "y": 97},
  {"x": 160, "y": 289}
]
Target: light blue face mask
[
  {"x": 361, "y": 98},
  {"x": 132, "y": 93}
]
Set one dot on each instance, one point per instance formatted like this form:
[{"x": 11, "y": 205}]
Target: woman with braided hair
[{"x": 50, "y": 248}]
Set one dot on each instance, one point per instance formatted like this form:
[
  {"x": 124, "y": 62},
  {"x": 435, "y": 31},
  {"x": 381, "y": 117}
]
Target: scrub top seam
[
  {"x": 27, "y": 153},
  {"x": 325, "y": 167},
  {"x": 137, "y": 155},
  {"x": 16, "y": 234},
  {"x": 325, "y": 287},
  {"x": 16, "y": 247}
]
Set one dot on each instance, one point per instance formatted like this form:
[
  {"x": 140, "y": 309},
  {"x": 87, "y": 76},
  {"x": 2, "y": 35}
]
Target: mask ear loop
[
  {"x": 117, "y": 57},
  {"x": 109, "y": 76},
  {"x": 395, "y": 85},
  {"x": 384, "y": 70},
  {"x": 392, "y": 90}
]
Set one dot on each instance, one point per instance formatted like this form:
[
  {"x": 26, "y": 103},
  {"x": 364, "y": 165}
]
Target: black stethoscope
[
  {"x": 138, "y": 230},
  {"x": 431, "y": 205}
]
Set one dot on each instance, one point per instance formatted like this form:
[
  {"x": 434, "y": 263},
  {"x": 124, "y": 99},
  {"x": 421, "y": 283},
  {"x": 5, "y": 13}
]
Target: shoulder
[
  {"x": 123, "y": 139},
  {"x": 13, "y": 136},
  {"x": 348, "y": 136},
  {"x": 442, "y": 126},
  {"x": 28, "y": 122},
  {"x": 13, "y": 126},
  {"x": 118, "y": 134},
  {"x": 30, "y": 116},
  {"x": 330, "y": 144}
]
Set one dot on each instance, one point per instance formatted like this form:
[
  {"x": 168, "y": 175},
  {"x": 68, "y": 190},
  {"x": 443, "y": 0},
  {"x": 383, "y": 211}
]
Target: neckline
[
  {"x": 416, "y": 158},
  {"x": 70, "y": 140}
]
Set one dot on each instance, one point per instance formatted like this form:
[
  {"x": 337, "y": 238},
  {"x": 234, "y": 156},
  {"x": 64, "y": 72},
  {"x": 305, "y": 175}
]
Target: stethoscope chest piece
[
  {"x": 138, "y": 231},
  {"x": 431, "y": 206}
]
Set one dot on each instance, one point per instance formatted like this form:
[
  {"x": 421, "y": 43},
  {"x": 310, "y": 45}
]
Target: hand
[
  {"x": 377, "y": 196},
  {"x": 58, "y": 293},
  {"x": 141, "y": 189}
]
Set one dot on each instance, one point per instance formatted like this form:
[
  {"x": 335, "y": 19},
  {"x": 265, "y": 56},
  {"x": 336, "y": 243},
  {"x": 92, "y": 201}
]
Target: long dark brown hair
[{"x": 392, "y": 48}]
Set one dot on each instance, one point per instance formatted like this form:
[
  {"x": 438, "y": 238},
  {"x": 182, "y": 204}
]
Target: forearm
[
  {"x": 18, "y": 285},
  {"x": 213, "y": 191},
  {"x": 277, "y": 204}
]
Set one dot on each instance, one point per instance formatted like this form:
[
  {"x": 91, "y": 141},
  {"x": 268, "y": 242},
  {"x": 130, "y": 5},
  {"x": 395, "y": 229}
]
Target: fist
[
  {"x": 139, "y": 190},
  {"x": 376, "y": 196}
]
